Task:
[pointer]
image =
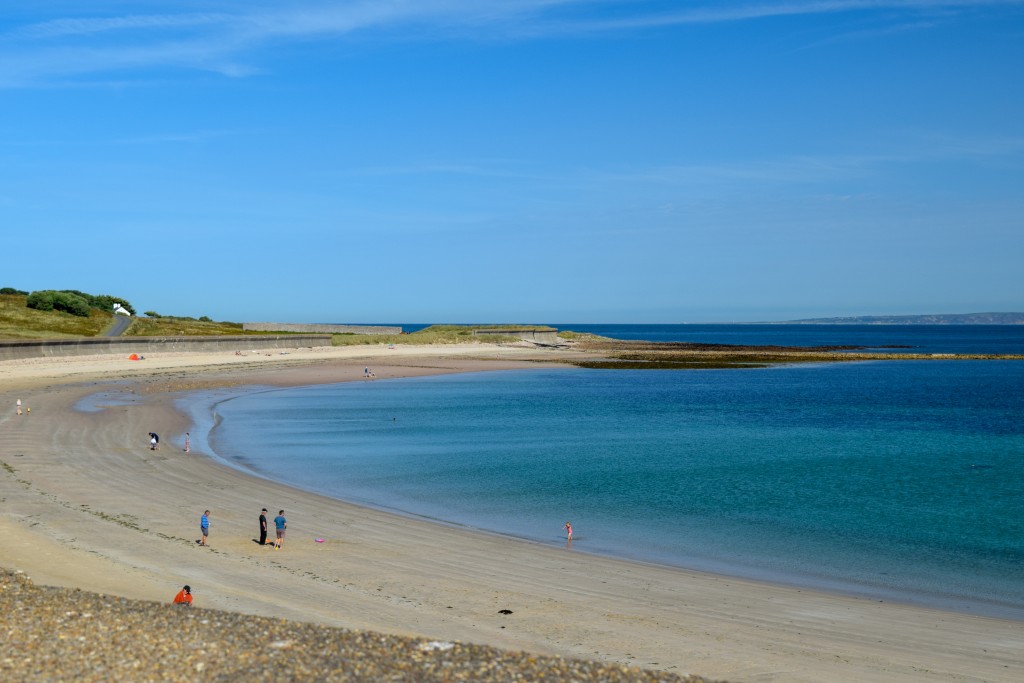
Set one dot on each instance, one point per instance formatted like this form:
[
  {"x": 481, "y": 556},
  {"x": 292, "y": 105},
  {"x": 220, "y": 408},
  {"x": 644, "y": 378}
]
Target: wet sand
[{"x": 86, "y": 504}]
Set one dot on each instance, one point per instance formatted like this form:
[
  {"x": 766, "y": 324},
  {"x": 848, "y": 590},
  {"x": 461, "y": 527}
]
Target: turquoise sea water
[{"x": 898, "y": 480}]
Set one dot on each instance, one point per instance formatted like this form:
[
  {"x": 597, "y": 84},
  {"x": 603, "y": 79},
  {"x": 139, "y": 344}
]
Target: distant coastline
[{"x": 935, "y": 319}]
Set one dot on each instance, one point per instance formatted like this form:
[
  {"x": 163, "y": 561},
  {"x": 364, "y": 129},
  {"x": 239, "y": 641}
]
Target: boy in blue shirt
[
  {"x": 281, "y": 524},
  {"x": 204, "y": 526}
]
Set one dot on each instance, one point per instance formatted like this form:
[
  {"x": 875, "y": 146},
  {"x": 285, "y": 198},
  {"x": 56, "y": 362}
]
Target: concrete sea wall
[
  {"x": 38, "y": 348},
  {"x": 320, "y": 329}
]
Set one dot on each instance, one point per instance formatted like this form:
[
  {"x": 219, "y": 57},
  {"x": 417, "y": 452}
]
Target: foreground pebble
[{"x": 59, "y": 634}]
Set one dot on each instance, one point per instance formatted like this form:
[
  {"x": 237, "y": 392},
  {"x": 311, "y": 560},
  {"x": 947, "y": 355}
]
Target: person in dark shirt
[{"x": 263, "y": 527}]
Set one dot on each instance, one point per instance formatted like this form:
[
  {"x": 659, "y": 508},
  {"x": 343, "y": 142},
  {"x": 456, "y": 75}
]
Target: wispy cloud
[
  {"x": 827, "y": 168},
  {"x": 502, "y": 168},
  {"x": 772, "y": 172},
  {"x": 168, "y": 138},
  {"x": 878, "y": 32},
  {"x": 60, "y": 28},
  {"x": 228, "y": 42},
  {"x": 732, "y": 12}
]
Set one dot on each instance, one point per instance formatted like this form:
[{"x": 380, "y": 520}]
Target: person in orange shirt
[{"x": 184, "y": 596}]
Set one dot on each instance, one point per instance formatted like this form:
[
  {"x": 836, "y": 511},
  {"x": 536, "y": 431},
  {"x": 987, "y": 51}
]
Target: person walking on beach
[
  {"x": 263, "y": 527},
  {"x": 204, "y": 527},
  {"x": 154, "y": 441},
  {"x": 184, "y": 597},
  {"x": 19, "y": 406},
  {"x": 281, "y": 524},
  {"x": 188, "y": 442}
]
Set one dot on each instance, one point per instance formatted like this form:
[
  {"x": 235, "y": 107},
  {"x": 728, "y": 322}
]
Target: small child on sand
[{"x": 184, "y": 597}]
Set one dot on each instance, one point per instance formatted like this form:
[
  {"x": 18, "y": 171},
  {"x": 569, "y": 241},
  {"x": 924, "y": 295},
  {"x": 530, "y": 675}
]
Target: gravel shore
[{"x": 59, "y": 634}]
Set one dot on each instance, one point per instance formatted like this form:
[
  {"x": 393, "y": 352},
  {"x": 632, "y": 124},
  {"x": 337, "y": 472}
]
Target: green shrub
[
  {"x": 74, "y": 301},
  {"x": 11, "y": 290},
  {"x": 71, "y": 303},
  {"x": 105, "y": 302},
  {"x": 67, "y": 301},
  {"x": 41, "y": 300},
  {"x": 152, "y": 314},
  {"x": 205, "y": 319}
]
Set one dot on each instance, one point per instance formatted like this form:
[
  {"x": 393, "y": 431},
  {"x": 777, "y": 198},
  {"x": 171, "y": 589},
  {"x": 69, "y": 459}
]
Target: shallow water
[{"x": 899, "y": 480}]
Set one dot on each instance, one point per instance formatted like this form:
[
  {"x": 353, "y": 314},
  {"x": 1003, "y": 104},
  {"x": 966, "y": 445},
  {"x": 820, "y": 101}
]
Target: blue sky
[{"x": 536, "y": 161}]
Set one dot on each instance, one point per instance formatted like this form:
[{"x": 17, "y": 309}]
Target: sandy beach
[{"x": 87, "y": 504}]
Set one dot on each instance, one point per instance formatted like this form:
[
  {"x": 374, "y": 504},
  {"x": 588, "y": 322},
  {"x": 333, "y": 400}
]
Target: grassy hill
[
  {"x": 170, "y": 326},
  {"x": 435, "y": 334},
  {"x": 17, "y": 321}
]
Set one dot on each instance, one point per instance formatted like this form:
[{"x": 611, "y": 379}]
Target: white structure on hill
[{"x": 120, "y": 310}]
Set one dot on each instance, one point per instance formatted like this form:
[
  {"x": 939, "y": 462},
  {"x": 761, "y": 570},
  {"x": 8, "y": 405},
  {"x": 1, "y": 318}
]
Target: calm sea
[
  {"x": 996, "y": 339},
  {"x": 897, "y": 480}
]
